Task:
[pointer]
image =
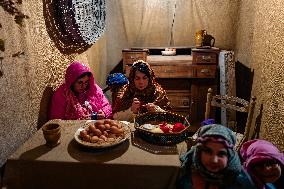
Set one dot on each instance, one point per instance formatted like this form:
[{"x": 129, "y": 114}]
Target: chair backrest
[
  {"x": 232, "y": 103},
  {"x": 44, "y": 106}
]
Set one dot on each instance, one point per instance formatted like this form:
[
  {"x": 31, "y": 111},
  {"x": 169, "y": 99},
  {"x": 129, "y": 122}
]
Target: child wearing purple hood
[
  {"x": 264, "y": 162},
  {"x": 79, "y": 97}
]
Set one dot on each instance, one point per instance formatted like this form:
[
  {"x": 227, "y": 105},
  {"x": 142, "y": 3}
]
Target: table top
[{"x": 133, "y": 154}]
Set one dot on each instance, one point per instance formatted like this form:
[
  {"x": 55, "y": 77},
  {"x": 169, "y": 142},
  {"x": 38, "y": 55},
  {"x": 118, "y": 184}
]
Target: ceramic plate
[{"x": 102, "y": 144}]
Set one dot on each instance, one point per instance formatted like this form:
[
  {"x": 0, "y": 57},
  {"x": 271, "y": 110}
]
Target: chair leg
[
  {"x": 208, "y": 103},
  {"x": 249, "y": 119}
]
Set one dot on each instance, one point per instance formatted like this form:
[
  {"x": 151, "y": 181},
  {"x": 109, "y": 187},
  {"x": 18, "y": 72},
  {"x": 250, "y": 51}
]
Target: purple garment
[
  {"x": 66, "y": 105},
  {"x": 257, "y": 150}
]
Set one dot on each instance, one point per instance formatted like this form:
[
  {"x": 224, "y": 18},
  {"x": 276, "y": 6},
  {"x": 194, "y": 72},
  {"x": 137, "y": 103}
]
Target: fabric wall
[
  {"x": 259, "y": 45},
  {"x": 174, "y": 22}
]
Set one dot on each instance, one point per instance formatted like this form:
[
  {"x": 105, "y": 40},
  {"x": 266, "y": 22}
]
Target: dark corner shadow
[
  {"x": 35, "y": 152},
  {"x": 138, "y": 142},
  {"x": 44, "y": 106},
  {"x": 56, "y": 31},
  {"x": 244, "y": 81},
  {"x": 84, "y": 154},
  {"x": 257, "y": 127}
]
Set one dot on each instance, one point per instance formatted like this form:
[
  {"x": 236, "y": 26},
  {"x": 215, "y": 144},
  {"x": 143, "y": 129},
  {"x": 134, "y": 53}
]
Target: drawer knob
[
  {"x": 206, "y": 58},
  {"x": 169, "y": 71},
  {"x": 204, "y": 71}
]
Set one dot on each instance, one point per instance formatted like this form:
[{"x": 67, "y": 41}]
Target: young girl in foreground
[
  {"x": 213, "y": 163},
  {"x": 264, "y": 163}
]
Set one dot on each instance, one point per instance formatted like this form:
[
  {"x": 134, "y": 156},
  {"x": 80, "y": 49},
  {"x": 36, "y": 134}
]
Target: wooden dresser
[
  {"x": 186, "y": 77},
  {"x": 131, "y": 55}
]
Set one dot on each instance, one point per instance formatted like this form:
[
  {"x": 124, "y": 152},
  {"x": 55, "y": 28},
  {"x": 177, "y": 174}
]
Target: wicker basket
[{"x": 161, "y": 138}]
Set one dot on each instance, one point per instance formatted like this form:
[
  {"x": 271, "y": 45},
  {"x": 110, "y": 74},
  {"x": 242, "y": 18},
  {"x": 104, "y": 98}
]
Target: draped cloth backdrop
[{"x": 174, "y": 22}]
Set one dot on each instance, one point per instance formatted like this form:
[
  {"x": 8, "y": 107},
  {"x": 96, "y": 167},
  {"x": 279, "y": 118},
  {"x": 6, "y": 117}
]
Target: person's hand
[
  {"x": 150, "y": 107},
  {"x": 135, "y": 105},
  {"x": 101, "y": 114}
]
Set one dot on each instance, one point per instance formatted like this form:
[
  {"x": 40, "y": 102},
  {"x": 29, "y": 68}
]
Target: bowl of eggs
[{"x": 102, "y": 133}]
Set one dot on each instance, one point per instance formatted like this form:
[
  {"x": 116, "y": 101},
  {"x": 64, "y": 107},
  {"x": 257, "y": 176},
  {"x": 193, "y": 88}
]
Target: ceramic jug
[{"x": 208, "y": 40}]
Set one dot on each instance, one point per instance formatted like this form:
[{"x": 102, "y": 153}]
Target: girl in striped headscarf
[{"x": 213, "y": 163}]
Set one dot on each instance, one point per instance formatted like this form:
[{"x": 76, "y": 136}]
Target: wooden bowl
[
  {"x": 52, "y": 133},
  {"x": 168, "y": 53}
]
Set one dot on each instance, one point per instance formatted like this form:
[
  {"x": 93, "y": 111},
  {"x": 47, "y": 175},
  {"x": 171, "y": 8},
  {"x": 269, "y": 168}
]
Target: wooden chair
[{"x": 235, "y": 104}]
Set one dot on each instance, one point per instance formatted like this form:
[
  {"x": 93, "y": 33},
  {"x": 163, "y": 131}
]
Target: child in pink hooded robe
[
  {"x": 79, "y": 97},
  {"x": 264, "y": 162}
]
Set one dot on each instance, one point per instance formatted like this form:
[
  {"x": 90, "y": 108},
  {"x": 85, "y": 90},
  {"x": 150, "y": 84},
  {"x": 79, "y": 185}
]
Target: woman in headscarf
[
  {"x": 264, "y": 162},
  {"x": 141, "y": 94},
  {"x": 79, "y": 97},
  {"x": 213, "y": 163}
]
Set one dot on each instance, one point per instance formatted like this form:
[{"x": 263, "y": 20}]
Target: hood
[
  {"x": 217, "y": 130},
  {"x": 258, "y": 150},
  {"x": 74, "y": 70}
]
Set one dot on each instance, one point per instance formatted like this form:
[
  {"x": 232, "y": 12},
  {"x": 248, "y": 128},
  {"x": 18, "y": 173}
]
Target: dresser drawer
[
  {"x": 130, "y": 57},
  {"x": 179, "y": 98},
  {"x": 204, "y": 58},
  {"x": 205, "y": 71},
  {"x": 172, "y": 71}
]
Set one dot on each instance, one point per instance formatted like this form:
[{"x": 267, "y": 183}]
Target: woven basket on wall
[
  {"x": 83, "y": 20},
  {"x": 74, "y": 25},
  {"x": 161, "y": 138}
]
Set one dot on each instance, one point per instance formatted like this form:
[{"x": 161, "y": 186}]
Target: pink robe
[{"x": 65, "y": 105}]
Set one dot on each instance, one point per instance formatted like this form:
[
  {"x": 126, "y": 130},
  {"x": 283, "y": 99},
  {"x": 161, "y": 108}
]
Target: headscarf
[
  {"x": 257, "y": 150},
  {"x": 114, "y": 81},
  {"x": 192, "y": 161},
  {"x": 153, "y": 93},
  {"x": 77, "y": 106}
]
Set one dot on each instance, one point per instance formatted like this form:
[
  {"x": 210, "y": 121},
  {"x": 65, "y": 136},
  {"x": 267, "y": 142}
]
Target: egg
[
  {"x": 94, "y": 139},
  {"x": 88, "y": 130},
  {"x": 103, "y": 137},
  {"x": 105, "y": 133},
  {"x": 83, "y": 133},
  {"x": 107, "y": 126},
  {"x": 87, "y": 138},
  {"x": 101, "y": 127},
  {"x": 97, "y": 132},
  {"x": 92, "y": 128},
  {"x": 114, "y": 124},
  {"x": 107, "y": 121},
  {"x": 99, "y": 122},
  {"x": 115, "y": 130}
]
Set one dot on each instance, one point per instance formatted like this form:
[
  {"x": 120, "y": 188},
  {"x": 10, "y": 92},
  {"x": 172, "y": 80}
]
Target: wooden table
[{"x": 132, "y": 164}]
